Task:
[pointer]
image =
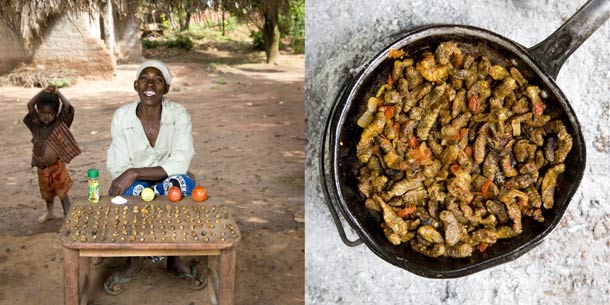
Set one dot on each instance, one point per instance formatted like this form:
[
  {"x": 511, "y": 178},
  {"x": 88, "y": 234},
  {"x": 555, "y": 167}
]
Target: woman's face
[{"x": 150, "y": 86}]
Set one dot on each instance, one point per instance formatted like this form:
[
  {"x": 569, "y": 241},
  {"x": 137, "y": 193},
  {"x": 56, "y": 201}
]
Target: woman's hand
[{"x": 122, "y": 182}]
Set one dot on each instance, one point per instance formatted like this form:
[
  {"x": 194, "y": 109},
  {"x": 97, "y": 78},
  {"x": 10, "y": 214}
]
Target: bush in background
[
  {"x": 181, "y": 42},
  {"x": 258, "y": 40},
  {"x": 149, "y": 43}
]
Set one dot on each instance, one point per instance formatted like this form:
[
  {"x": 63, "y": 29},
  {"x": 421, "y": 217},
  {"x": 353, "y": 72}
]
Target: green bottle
[{"x": 94, "y": 187}]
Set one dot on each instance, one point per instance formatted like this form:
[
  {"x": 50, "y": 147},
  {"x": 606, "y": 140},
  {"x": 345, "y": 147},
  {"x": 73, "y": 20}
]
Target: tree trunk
[
  {"x": 108, "y": 27},
  {"x": 271, "y": 32},
  {"x": 223, "y": 21},
  {"x": 187, "y": 20},
  {"x": 183, "y": 10},
  {"x": 128, "y": 38},
  {"x": 170, "y": 17}
]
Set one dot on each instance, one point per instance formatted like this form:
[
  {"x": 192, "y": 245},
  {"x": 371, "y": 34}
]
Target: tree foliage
[
  {"x": 177, "y": 12},
  {"x": 266, "y": 14},
  {"x": 29, "y": 19},
  {"x": 293, "y": 23}
]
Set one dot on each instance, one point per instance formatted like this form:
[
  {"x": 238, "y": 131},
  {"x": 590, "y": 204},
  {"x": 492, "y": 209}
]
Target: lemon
[{"x": 147, "y": 194}]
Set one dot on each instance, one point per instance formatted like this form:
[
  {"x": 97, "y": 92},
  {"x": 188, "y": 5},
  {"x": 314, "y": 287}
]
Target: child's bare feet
[{"x": 45, "y": 217}]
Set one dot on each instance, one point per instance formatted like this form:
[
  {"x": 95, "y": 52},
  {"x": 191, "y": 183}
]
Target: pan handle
[
  {"x": 555, "y": 49},
  {"x": 329, "y": 199}
]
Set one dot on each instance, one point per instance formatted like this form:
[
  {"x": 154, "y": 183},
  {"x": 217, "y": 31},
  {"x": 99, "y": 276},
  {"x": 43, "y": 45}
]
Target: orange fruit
[
  {"x": 174, "y": 194},
  {"x": 199, "y": 193}
]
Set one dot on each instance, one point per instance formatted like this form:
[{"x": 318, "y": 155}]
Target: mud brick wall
[
  {"x": 68, "y": 44},
  {"x": 11, "y": 51}
]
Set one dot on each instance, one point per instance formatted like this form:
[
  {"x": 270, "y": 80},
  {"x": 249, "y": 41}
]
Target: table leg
[
  {"x": 85, "y": 267},
  {"x": 71, "y": 281},
  {"x": 227, "y": 276}
]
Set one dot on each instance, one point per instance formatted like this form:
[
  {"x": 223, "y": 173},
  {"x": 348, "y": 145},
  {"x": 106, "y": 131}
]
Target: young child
[{"x": 54, "y": 146}]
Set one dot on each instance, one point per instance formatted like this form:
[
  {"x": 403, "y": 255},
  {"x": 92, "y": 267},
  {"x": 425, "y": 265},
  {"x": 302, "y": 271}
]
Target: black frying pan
[{"x": 539, "y": 64}]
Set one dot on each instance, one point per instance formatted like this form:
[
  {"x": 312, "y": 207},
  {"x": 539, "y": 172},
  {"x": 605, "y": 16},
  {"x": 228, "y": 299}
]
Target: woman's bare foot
[
  {"x": 45, "y": 217},
  {"x": 117, "y": 282},
  {"x": 197, "y": 278},
  {"x": 176, "y": 266}
]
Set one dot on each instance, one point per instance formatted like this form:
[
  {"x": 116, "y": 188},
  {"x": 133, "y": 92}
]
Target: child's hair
[{"x": 48, "y": 99}]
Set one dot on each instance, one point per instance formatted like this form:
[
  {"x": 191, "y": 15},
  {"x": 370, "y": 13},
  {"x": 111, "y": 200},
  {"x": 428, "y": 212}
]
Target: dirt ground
[{"x": 248, "y": 131}]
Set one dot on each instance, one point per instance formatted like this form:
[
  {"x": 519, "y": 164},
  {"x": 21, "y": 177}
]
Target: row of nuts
[{"x": 121, "y": 220}]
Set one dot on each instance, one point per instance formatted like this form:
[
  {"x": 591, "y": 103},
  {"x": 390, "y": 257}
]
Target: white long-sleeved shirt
[{"x": 173, "y": 150}]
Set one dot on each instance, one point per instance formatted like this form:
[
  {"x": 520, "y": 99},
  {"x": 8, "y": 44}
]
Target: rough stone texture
[
  {"x": 68, "y": 44},
  {"x": 570, "y": 267},
  {"x": 11, "y": 51}
]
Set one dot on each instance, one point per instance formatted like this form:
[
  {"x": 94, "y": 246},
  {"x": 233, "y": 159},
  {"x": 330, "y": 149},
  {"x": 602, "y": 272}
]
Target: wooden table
[{"x": 139, "y": 228}]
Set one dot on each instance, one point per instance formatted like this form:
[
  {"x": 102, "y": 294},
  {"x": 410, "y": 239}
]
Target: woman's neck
[{"x": 149, "y": 112}]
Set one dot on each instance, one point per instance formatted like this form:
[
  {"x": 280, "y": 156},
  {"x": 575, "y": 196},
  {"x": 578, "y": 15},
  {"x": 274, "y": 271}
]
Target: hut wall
[
  {"x": 11, "y": 50},
  {"x": 69, "y": 44}
]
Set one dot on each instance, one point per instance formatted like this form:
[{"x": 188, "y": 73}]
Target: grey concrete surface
[{"x": 571, "y": 266}]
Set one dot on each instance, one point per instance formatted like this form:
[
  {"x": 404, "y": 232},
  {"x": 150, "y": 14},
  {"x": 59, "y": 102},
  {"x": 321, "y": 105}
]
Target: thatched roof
[{"x": 29, "y": 18}]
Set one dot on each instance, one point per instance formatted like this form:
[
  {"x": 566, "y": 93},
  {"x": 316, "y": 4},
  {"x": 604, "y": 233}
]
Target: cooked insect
[
  {"x": 428, "y": 68},
  {"x": 393, "y": 222},
  {"x": 415, "y": 95},
  {"x": 507, "y": 87},
  {"x": 533, "y": 94},
  {"x": 514, "y": 72},
  {"x": 480, "y": 144},
  {"x": 548, "y": 185},
  {"x": 460, "y": 250},
  {"x": 371, "y": 107},
  {"x": 455, "y": 150},
  {"x": 423, "y": 130},
  {"x": 447, "y": 49},
  {"x": 430, "y": 234},
  {"x": 454, "y": 230},
  {"x": 399, "y": 67},
  {"x": 401, "y": 187},
  {"x": 498, "y": 72},
  {"x": 396, "y": 53},
  {"x": 564, "y": 141}
]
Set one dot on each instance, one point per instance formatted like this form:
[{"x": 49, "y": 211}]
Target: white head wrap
[{"x": 159, "y": 66}]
